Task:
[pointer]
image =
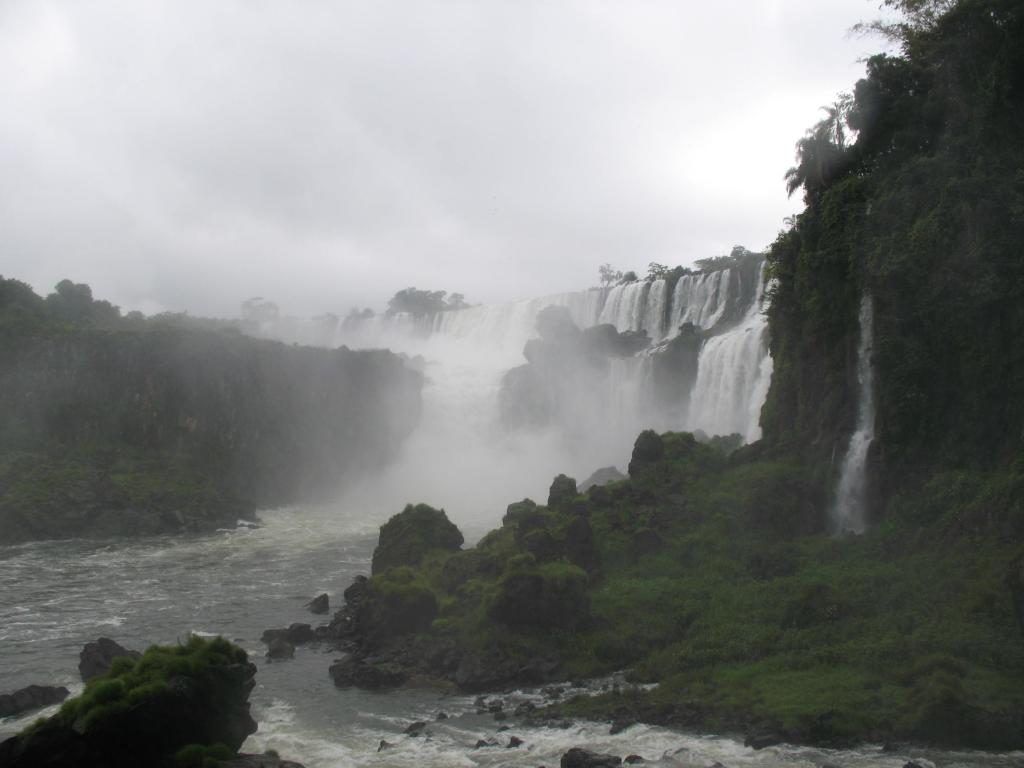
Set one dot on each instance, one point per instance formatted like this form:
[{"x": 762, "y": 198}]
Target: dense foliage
[
  {"x": 180, "y": 706},
  {"x": 924, "y": 212}
]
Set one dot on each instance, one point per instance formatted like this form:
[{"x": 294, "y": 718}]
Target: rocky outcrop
[
  {"x": 649, "y": 449},
  {"x": 95, "y": 658},
  {"x": 166, "y": 429},
  {"x": 31, "y": 697},
  {"x": 411, "y": 534},
  {"x": 320, "y": 604},
  {"x": 196, "y": 694}
]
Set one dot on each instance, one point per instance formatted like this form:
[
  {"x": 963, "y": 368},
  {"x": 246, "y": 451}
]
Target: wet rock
[
  {"x": 582, "y": 758},
  {"x": 514, "y": 742},
  {"x": 95, "y": 658},
  {"x": 29, "y": 698},
  {"x": 648, "y": 449},
  {"x": 320, "y": 604},
  {"x": 416, "y": 729},
  {"x": 384, "y": 745},
  {"x": 762, "y": 740},
  {"x": 265, "y": 760},
  {"x": 280, "y": 649},
  {"x": 442, "y": 715},
  {"x": 633, "y": 759},
  {"x": 518, "y": 511},
  {"x": 620, "y": 724},
  {"x": 562, "y": 491},
  {"x": 525, "y": 709},
  {"x": 299, "y": 633},
  {"x": 481, "y": 744}
]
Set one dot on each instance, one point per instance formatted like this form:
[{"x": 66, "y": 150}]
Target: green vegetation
[
  {"x": 709, "y": 574},
  {"x": 115, "y": 425},
  {"x": 182, "y": 706}
]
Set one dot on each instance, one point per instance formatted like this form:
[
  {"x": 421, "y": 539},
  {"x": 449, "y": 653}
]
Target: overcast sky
[{"x": 188, "y": 155}]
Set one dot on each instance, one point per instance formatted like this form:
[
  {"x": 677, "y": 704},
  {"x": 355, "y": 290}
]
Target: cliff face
[
  {"x": 102, "y": 428},
  {"x": 924, "y": 214}
]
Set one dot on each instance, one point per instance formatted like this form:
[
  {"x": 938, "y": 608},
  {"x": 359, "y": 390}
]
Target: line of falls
[
  {"x": 698, "y": 360},
  {"x": 849, "y": 511}
]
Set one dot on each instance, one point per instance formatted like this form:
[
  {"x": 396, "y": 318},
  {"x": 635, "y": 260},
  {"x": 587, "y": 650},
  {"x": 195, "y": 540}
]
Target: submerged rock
[
  {"x": 280, "y": 649},
  {"x": 583, "y": 758},
  {"x": 95, "y": 658},
  {"x": 29, "y": 698}
]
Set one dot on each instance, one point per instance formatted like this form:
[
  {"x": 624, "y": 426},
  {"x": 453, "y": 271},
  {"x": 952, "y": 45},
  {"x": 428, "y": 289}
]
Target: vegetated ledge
[
  {"x": 149, "y": 427},
  {"x": 709, "y": 573},
  {"x": 180, "y": 706}
]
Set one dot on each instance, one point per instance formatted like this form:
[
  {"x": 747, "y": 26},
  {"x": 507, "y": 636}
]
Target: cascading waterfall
[
  {"x": 597, "y": 416},
  {"x": 733, "y": 374},
  {"x": 849, "y": 512}
]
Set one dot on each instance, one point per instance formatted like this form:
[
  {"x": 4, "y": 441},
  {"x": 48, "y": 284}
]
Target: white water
[
  {"x": 733, "y": 374},
  {"x": 849, "y": 512}
]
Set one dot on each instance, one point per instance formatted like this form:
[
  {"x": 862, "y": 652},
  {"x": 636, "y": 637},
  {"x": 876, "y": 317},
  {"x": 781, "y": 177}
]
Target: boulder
[
  {"x": 416, "y": 729},
  {"x": 762, "y": 740},
  {"x": 648, "y": 449},
  {"x": 320, "y": 604},
  {"x": 266, "y": 760},
  {"x": 563, "y": 491},
  {"x": 280, "y": 649},
  {"x": 514, "y": 741},
  {"x": 29, "y": 698},
  {"x": 583, "y": 758},
  {"x": 95, "y": 658},
  {"x": 408, "y": 536},
  {"x": 192, "y": 694}
]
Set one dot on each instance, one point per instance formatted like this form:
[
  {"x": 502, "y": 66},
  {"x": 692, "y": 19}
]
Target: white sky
[{"x": 188, "y": 154}]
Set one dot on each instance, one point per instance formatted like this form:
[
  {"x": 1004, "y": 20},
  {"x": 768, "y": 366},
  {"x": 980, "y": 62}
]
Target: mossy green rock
[
  {"x": 143, "y": 712},
  {"x": 407, "y": 537}
]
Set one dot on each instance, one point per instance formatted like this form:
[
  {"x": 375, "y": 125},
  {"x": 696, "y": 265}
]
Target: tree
[
  {"x": 656, "y": 271},
  {"x": 608, "y": 274}
]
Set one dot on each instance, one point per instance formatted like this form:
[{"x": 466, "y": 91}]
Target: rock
[
  {"x": 280, "y": 649},
  {"x": 299, "y": 633},
  {"x": 196, "y": 694},
  {"x": 266, "y": 760},
  {"x": 620, "y": 724},
  {"x": 416, "y": 729},
  {"x": 320, "y": 604},
  {"x": 602, "y": 476},
  {"x": 357, "y": 591},
  {"x": 480, "y": 744},
  {"x": 539, "y": 599},
  {"x": 562, "y": 491},
  {"x": 582, "y": 758},
  {"x": 442, "y": 715},
  {"x": 518, "y": 511},
  {"x": 633, "y": 759},
  {"x": 384, "y": 745},
  {"x": 411, "y": 534},
  {"x": 648, "y": 449},
  {"x": 525, "y": 709},
  {"x": 95, "y": 658},
  {"x": 514, "y": 742},
  {"x": 29, "y": 698},
  {"x": 762, "y": 740}
]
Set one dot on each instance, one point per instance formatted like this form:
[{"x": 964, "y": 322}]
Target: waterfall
[
  {"x": 466, "y": 353},
  {"x": 850, "y": 507},
  {"x": 733, "y": 371}
]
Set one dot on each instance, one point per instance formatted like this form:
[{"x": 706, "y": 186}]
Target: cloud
[{"x": 188, "y": 155}]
